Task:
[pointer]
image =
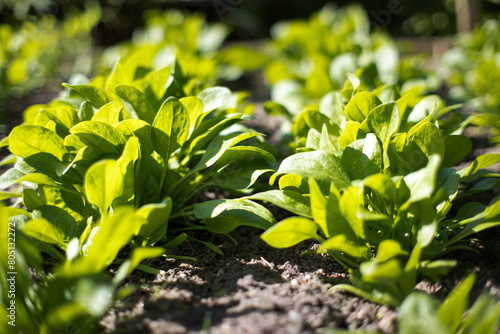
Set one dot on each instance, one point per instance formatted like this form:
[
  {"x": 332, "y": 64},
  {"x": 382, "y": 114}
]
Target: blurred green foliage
[
  {"x": 472, "y": 70},
  {"x": 42, "y": 50}
]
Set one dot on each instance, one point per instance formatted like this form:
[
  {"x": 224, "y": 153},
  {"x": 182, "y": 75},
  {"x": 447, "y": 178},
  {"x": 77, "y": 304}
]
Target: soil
[{"x": 253, "y": 288}]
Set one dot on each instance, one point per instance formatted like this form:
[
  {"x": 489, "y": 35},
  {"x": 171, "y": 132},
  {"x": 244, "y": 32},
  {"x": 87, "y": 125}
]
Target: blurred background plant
[
  {"x": 40, "y": 51},
  {"x": 472, "y": 70}
]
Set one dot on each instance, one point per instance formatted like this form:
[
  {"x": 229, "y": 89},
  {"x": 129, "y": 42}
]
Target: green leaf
[
  {"x": 456, "y": 148},
  {"x": 483, "y": 317},
  {"x": 103, "y": 184},
  {"x": 139, "y": 129},
  {"x": 418, "y": 315},
  {"x": 360, "y": 105},
  {"x": 363, "y": 157},
  {"x": 286, "y": 199},
  {"x": 389, "y": 249},
  {"x": 154, "y": 85},
  {"x": 10, "y": 177},
  {"x": 483, "y": 161},
  {"x": 451, "y": 310},
  {"x": 382, "y": 185},
  {"x": 99, "y": 132},
  {"x": 428, "y": 106},
  {"x": 319, "y": 207},
  {"x": 86, "y": 111},
  {"x": 194, "y": 107},
  {"x": 448, "y": 179},
  {"x": 385, "y": 273},
  {"x": 8, "y": 159},
  {"x": 95, "y": 95},
  {"x": 65, "y": 116},
  {"x": 170, "y": 127},
  {"x": 207, "y": 130},
  {"x": 156, "y": 215},
  {"x": 384, "y": 120},
  {"x": 59, "y": 218},
  {"x": 113, "y": 232},
  {"x": 322, "y": 166},
  {"x": 238, "y": 153},
  {"x": 111, "y": 113},
  {"x": 217, "y": 147},
  {"x": 214, "y": 98},
  {"x": 45, "y": 231},
  {"x": 290, "y": 232},
  {"x": 348, "y": 246},
  {"x": 349, "y": 134},
  {"x": 428, "y": 138},
  {"x": 316, "y": 120},
  {"x": 423, "y": 182},
  {"x": 119, "y": 75},
  {"x": 28, "y": 140},
  {"x": 136, "y": 103},
  {"x": 223, "y": 216},
  {"x": 6, "y": 195},
  {"x": 294, "y": 182},
  {"x": 39, "y": 179},
  {"x": 241, "y": 174},
  {"x": 142, "y": 253},
  {"x": 128, "y": 160},
  {"x": 349, "y": 204}
]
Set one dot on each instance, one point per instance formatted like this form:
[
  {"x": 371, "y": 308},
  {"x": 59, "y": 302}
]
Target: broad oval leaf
[
  {"x": 214, "y": 98},
  {"x": 352, "y": 247},
  {"x": 363, "y": 157},
  {"x": 418, "y": 315},
  {"x": 360, "y": 105},
  {"x": 136, "y": 103},
  {"x": 45, "y": 231},
  {"x": 100, "y": 130},
  {"x": 170, "y": 127},
  {"x": 27, "y": 140},
  {"x": 139, "y": 129},
  {"x": 289, "y": 232},
  {"x": 223, "y": 216},
  {"x": 286, "y": 199},
  {"x": 156, "y": 215},
  {"x": 321, "y": 165},
  {"x": 111, "y": 113},
  {"x": 456, "y": 147},
  {"x": 384, "y": 120},
  {"x": 103, "y": 184},
  {"x": 95, "y": 95}
]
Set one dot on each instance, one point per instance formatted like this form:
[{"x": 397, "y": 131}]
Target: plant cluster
[
  {"x": 120, "y": 159},
  {"x": 375, "y": 187}
]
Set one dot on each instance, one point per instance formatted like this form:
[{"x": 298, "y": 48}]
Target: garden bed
[{"x": 292, "y": 185}]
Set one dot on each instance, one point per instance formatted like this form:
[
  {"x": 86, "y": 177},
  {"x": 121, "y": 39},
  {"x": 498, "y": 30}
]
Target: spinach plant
[
  {"x": 375, "y": 187},
  {"x": 421, "y": 313},
  {"x": 75, "y": 293},
  {"x": 125, "y": 141}
]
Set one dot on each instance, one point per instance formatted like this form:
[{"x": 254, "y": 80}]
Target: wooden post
[{"x": 467, "y": 12}]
